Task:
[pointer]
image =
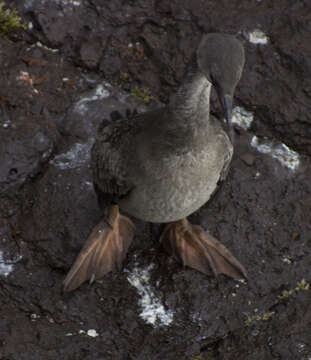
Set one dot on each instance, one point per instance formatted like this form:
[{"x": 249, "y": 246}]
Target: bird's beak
[{"x": 226, "y": 101}]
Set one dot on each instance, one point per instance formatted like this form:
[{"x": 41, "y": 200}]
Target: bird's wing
[{"x": 109, "y": 160}]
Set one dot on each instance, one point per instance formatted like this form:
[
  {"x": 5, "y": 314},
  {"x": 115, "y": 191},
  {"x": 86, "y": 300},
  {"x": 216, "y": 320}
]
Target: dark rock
[
  {"x": 248, "y": 158},
  {"x": 50, "y": 109},
  {"x": 25, "y": 147},
  {"x": 90, "y": 52}
]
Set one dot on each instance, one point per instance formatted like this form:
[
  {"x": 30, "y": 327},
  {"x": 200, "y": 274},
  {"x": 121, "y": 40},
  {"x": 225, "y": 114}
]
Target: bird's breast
[{"x": 174, "y": 187}]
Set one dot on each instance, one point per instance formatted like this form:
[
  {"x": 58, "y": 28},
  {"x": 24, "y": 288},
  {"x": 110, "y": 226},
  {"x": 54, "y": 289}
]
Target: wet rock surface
[{"x": 78, "y": 62}]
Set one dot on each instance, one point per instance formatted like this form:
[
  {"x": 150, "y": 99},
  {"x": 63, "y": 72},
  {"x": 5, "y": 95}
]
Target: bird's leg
[
  {"x": 104, "y": 250},
  {"x": 194, "y": 247}
]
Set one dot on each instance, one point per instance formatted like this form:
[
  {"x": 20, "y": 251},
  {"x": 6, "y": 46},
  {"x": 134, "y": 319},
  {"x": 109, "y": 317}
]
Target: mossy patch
[
  {"x": 143, "y": 94},
  {"x": 302, "y": 285},
  {"x": 262, "y": 317},
  {"x": 10, "y": 22},
  {"x": 124, "y": 78}
]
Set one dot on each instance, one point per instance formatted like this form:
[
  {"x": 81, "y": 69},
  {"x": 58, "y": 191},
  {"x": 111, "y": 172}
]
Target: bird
[{"x": 162, "y": 165}]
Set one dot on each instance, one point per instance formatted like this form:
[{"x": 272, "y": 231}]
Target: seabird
[{"x": 163, "y": 165}]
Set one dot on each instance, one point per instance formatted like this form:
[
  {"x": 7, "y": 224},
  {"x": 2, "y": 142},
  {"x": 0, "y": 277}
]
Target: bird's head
[{"x": 221, "y": 59}]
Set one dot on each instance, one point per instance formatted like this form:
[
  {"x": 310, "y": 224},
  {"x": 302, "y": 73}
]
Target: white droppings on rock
[
  {"x": 287, "y": 260},
  {"x": 51, "y": 320},
  {"x": 287, "y": 157},
  {"x": 78, "y": 155},
  {"x": 242, "y": 117},
  {"x": 6, "y": 124},
  {"x": 71, "y": 2},
  {"x": 88, "y": 185},
  {"x": 257, "y": 37},
  {"x": 99, "y": 93},
  {"x": 7, "y": 266},
  {"x": 196, "y": 317},
  {"x": 153, "y": 312},
  {"x": 39, "y": 44},
  {"x": 92, "y": 333},
  {"x": 29, "y": 3},
  {"x": 34, "y": 317}
]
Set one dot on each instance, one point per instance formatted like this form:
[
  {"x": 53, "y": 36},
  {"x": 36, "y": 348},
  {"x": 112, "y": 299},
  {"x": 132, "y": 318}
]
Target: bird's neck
[{"x": 191, "y": 102}]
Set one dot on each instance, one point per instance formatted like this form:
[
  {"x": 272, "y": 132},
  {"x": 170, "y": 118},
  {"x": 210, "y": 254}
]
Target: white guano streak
[
  {"x": 153, "y": 312},
  {"x": 287, "y": 157}
]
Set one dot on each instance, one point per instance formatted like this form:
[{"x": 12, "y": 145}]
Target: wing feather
[{"x": 109, "y": 159}]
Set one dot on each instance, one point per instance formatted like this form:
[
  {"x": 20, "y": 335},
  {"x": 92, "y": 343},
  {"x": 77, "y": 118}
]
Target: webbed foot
[
  {"x": 195, "y": 248},
  {"x": 104, "y": 250}
]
